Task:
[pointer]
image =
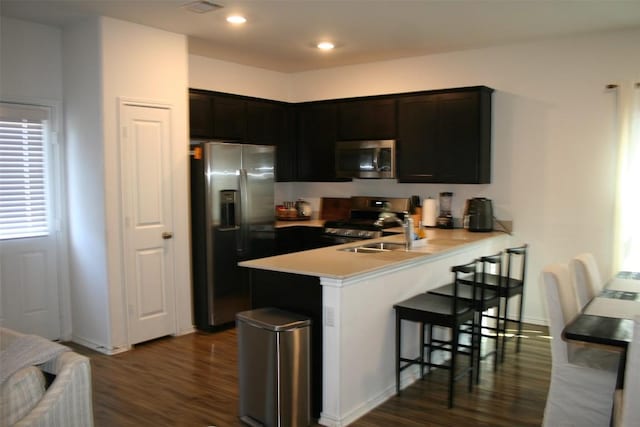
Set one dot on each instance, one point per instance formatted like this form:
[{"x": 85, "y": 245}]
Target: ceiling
[{"x": 281, "y": 35}]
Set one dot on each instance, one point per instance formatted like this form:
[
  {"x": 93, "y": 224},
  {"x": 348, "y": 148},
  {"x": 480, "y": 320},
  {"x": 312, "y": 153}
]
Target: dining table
[{"x": 608, "y": 318}]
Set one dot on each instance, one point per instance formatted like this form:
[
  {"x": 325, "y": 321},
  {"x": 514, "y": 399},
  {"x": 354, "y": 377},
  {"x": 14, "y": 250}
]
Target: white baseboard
[
  {"x": 409, "y": 376},
  {"x": 187, "y": 331},
  {"x": 98, "y": 347}
]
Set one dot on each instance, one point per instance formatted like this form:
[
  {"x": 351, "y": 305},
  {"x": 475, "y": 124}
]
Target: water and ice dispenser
[{"x": 228, "y": 199}]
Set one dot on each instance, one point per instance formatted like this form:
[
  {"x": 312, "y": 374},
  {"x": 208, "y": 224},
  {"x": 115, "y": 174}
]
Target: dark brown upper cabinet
[
  {"x": 445, "y": 136},
  {"x": 229, "y": 118},
  {"x": 200, "y": 115},
  {"x": 217, "y": 116},
  {"x": 367, "y": 119},
  {"x": 316, "y": 138},
  {"x": 266, "y": 121}
]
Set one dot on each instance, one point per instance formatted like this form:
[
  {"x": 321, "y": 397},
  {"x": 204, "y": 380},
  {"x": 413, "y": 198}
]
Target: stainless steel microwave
[{"x": 366, "y": 159}]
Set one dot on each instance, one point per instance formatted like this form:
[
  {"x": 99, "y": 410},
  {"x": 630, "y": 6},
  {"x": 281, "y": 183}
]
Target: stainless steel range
[{"x": 365, "y": 220}]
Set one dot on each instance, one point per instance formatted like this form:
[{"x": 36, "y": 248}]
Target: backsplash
[{"x": 313, "y": 191}]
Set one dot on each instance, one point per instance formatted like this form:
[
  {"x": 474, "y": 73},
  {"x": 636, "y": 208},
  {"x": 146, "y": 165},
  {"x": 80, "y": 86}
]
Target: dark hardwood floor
[{"x": 192, "y": 381}]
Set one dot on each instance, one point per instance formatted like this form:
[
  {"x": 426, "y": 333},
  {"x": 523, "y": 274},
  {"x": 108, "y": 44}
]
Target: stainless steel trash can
[{"x": 274, "y": 367}]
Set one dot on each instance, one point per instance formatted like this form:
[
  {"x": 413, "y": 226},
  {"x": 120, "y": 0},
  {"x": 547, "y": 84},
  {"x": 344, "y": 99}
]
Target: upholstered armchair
[{"x": 55, "y": 393}]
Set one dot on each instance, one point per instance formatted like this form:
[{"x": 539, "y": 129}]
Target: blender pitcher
[{"x": 445, "y": 220}]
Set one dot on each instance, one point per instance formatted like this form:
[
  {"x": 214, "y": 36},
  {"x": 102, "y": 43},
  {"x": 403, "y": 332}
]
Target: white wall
[
  {"x": 144, "y": 64},
  {"x": 85, "y": 185},
  {"x": 222, "y": 76},
  {"x": 36, "y": 48},
  {"x": 107, "y": 60}
]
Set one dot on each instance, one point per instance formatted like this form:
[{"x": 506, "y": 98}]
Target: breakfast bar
[{"x": 349, "y": 296}]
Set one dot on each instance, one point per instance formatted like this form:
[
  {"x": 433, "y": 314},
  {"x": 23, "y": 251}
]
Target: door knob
[{"x": 167, "y": 235}]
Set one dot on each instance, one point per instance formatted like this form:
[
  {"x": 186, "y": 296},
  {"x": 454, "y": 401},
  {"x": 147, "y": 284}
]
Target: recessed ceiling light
[
  {"x": 325, "y": 45},
  {"x": 236, "y": 19},
  {"x": 202, "y": 6}
]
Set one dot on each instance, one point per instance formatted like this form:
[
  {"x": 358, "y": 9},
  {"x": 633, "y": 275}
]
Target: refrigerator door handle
[{"x": 243, "y": 237}]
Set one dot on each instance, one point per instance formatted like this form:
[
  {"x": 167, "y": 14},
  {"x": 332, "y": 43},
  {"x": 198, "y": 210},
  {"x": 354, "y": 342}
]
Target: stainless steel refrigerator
[{"x": 232, "y": 220}]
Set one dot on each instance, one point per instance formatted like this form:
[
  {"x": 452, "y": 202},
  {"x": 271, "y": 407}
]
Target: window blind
[{"x": 23, "y": 165}]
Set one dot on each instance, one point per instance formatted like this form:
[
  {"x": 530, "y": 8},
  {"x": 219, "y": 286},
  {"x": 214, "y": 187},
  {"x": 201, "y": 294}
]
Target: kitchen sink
[{"x": 376, "y": 248}]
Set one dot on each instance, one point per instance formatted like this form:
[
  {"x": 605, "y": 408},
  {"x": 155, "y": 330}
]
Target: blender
[{"x": 445, "y": 220}]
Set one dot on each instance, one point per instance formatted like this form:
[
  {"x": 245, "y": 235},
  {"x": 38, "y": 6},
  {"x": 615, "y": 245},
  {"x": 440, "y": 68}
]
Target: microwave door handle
[{"x": 376, "y": 159}]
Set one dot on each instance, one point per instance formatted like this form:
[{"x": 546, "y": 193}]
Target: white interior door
[
  {"x": 148, "y": 252},
  {"x": 29, "y": 211}
]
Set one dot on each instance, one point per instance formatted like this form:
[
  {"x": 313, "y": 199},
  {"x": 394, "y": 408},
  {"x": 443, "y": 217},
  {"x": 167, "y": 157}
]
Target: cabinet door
[
  {"x": 445, "y": 137},
  {"x": 200, "y": 115},
  {"x": 367, "y": 119},
  {"x": 316, "y": 142},
  {"x": 286, "y": 151},
  {"x": 265, "y": 122},
  {"x": 229, "y": 118},
  {"x": 417, "y": 152},
  {"x": 271, "y": 123},
  {"x": 458, "y": 138}
]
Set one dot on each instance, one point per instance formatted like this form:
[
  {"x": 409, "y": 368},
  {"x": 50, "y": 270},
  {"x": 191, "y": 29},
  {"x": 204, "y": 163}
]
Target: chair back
[
  {"x": 512, "y": 253},
  {"x": 630, "y": 407},
  {"x": 494, "y": 263},
  {"x": 562, "y": 307},
  {"x": 463, "y": 275},
  {"x": 586, "y": 277}
]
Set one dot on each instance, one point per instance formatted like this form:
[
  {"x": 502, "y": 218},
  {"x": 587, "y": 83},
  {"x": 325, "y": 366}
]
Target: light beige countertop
[{"x": 333, "y": 263}]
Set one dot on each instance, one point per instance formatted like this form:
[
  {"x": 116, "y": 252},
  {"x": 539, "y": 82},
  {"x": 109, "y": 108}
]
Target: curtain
[{"x": 627, "y": 209}]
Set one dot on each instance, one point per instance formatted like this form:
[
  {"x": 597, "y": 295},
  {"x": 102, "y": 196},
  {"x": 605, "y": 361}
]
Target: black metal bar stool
[
  {"x": 437, "y": 310},
  {"x": 484, "y": 299},
  {"x": 512, "y": 285}
]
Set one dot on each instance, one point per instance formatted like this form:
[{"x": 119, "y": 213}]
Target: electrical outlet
[{"x": 329, "y": 316}]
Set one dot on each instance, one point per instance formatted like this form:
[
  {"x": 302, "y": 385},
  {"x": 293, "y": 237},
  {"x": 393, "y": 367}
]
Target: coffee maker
[{"x": 445, "y": 220}]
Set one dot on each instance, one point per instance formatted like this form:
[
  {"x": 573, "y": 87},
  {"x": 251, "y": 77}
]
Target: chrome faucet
[
  {"x": 408, "y": 230},
  {"x": 406, "y": 224}
]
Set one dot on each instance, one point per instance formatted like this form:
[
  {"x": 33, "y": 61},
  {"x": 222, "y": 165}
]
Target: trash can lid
[{"x": 273, "y": 319}]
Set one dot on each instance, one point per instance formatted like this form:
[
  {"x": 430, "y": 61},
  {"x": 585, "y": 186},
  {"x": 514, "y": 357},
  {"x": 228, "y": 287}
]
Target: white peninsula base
[{"x": 359, "y": 329}]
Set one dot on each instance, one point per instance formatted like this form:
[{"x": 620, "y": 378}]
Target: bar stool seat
[{"x": 443, "y": 311}]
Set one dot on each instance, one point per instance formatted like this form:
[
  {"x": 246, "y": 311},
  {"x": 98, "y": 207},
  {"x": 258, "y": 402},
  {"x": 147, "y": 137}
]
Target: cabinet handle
[
  {"x": 422, "y": 174},
  {"x": 167, "y": 235}
]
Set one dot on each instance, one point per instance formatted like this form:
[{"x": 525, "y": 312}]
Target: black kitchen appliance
[
  {"x": 478, "y": 214},
  {"x": 363, "y": 219}
]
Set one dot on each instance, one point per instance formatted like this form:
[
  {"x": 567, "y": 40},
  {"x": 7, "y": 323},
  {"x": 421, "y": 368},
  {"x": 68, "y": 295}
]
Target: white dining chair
[
  {"x": 586, "y": 278},
  {"x": 583, "y": 379},
  {"x": 627, "y": 409}
]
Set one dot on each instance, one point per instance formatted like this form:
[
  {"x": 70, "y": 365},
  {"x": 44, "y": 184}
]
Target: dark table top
[{"x": 605, "y": 330}]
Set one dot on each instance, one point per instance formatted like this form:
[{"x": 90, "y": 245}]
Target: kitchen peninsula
[{"x": 349, "y": 297}]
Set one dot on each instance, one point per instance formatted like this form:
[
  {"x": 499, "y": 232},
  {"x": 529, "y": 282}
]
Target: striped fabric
[
  {"x": 20, "y": 394},
  {"x": 68, "y": 400}
]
